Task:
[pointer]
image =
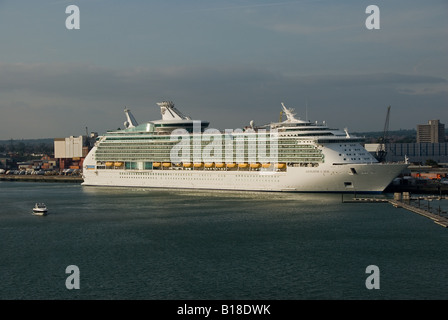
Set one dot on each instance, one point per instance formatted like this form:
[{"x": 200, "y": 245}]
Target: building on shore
[
  {"x": 431, "y": 145},
  {"x": 44, "y": 163},
  {"x": 415, "y": 152},
  {"x": 433, "y": 132},
  {"x": 7, "y": 162},
  {"x": 71, "y": 151}
]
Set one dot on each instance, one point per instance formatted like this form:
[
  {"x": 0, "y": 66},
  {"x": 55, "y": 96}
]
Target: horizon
[
  {"x": 354, "y": 132},
  {"x": 227, "y": 62}
]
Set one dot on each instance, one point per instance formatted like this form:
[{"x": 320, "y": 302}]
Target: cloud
[
  {"x": 249, "y": 6},
  {"x": 91, "y": 81},
  {"x": 61, "y": 99},
  {"x": 298, "y": 28},
  {"x": 373, "y": 79}
]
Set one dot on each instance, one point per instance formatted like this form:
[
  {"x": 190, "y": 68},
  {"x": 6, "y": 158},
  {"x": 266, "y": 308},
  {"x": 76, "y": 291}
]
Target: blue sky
[{"x": 227, "y": 62}]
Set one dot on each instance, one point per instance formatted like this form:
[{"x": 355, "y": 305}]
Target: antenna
[{"x": 306, "y": 110}]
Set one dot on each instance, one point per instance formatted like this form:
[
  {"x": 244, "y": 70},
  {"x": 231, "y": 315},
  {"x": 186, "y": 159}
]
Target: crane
[{"x": 381, "y": 150}]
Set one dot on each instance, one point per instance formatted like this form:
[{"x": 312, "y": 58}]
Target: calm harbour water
[{"x": 177, "y": 244}]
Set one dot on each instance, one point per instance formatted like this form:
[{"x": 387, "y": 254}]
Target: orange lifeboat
[
  {"x": 198, "y": 165},
  {"x": 109, "y": 164},
  {"x": 187, "y": 165},
  {"x": 231, "y": 165},
  {"x": 255, "y": 165},
  {"x": 280, "y": 165},
  {"x": 156, "y": 164},
  {"x": 167, "y": 164},
  {"x": 219, "y": 165},
  {"x": 243, "y": 165},
  {"x": 266, "y": 165},
  {"x": 209, "y": 164}
]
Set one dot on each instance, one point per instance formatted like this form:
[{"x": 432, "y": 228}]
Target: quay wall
[
  {"x": 418, "y": 189},
  {"x": 41, "y": 178}
]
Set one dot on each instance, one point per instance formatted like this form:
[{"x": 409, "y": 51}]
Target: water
[{"x": 177, "y": 244}]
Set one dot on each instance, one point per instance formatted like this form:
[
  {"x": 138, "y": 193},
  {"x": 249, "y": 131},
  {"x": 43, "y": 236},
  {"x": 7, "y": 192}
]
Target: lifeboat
[
  {"x": 243, "y": 165},
  {"x": 198, "y": 165},
  {"x": 266, "y": 165},
  {"x": 280, "y": 165},
  {"x": 118, "y": 164},
  {"x": 167, "y": 164},
  {"x": 231, "y": 165},
  {"x": 187, "y": 165},
  {"x": 255, "y": 165},
  {"x": 209, "y": 164},
  {"x": 219, "y": 165},
  {"x": 109, "y": 164},
  {"x": 156, "y": 164}
]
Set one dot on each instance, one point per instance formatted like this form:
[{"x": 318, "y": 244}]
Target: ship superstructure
[{"x": 290, "y": 155}]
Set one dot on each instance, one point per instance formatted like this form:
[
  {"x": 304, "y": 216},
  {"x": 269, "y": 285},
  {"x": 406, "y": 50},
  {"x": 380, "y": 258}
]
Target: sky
[{"x": 227, "y": 62}]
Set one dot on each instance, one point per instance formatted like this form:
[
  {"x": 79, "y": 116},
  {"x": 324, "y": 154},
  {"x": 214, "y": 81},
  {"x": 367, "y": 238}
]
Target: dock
[
  {"x": 437, "y": 218},
  {"x": 407, "y": 202},
  {"x": 365, "y": 200},
  {"x": 42, "y": 178}
]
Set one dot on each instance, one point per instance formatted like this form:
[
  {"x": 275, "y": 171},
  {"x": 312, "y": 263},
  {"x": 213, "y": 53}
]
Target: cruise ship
[{"x": 291, "y": 155}]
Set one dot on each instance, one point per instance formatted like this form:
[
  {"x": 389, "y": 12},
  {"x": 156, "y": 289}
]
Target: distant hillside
[
  {"x": 27, "y": 146},
  {"x": 396, "y": 136},
  {"x": 401, "y": 132},
  {"x": 27, "y": 141},
  {"x": 402, "y": 135}
]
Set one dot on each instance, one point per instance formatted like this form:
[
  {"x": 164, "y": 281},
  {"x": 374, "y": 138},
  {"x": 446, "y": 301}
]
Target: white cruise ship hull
[
  {"x": 296, "y": 156},
  {"x": 346, "y": 178}
]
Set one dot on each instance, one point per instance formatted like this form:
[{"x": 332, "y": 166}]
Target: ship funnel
[
  {"x": 290, "y": 115},
  {"x": 169, "y": 112}
]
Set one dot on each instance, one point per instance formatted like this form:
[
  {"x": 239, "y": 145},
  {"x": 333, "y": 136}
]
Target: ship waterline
[
  {"x": 294, "y": 156},
  {"x": 369, "y": 179}
]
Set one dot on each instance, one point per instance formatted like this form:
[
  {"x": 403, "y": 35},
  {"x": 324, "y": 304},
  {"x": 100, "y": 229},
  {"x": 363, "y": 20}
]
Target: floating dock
[
  {"x": 405, "y": 201},
  {"x": 365, "y": 200}
]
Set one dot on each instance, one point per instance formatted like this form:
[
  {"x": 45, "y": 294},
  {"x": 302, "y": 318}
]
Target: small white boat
[{"x": 40, "y": 209}]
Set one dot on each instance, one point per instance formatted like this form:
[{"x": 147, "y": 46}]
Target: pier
[
  {"x": 365, "y": 200},
  {"x": 41, "y": 178},
  {"x": 441, "y": 218},
  {"x": 413, "y": 204}
]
